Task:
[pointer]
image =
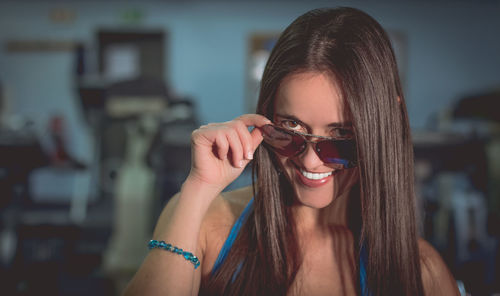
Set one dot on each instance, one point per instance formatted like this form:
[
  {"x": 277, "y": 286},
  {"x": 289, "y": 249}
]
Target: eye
[
  {"x": 292, "y": 125},
  {"x": 342, "y": 133}
]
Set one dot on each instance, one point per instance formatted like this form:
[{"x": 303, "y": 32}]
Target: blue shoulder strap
[
  {"x": 232, "y": 236},
  {"x": 362, "y": 271}
]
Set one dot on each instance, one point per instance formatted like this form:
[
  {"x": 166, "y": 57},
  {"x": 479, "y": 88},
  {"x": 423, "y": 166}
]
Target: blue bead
[
  {"x": 153, "y": 244},
  {"x": 162, "y": 245}
]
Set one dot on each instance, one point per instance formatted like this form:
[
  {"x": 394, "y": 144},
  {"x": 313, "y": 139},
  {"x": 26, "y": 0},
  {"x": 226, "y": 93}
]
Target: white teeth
[{"x": 315, "y": 176}]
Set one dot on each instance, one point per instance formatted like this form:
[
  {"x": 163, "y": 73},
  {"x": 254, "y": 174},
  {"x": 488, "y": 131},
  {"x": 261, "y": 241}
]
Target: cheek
[
  {"x": 286, "y": 167},
  {"x": 281, "y": 162}
]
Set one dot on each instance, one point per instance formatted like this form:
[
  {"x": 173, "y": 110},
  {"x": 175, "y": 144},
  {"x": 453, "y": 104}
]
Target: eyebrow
[{"x": 333, "y": 124}]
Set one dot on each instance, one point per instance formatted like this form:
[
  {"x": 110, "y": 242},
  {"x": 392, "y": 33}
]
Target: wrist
[
  {"x": 198, "y": 193},
  {"x": 205, "y": 188}
]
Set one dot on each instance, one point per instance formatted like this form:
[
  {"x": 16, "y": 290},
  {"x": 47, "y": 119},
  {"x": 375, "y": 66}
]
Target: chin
[{"x": 314, "y": 201}]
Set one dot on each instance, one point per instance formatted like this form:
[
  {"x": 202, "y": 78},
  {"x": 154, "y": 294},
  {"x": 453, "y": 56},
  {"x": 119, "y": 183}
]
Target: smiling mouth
[{"x": 314, "y": 176}]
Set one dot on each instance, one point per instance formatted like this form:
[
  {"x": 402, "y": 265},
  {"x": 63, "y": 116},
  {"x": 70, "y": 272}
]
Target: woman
[{"x": 332, "y": 209}]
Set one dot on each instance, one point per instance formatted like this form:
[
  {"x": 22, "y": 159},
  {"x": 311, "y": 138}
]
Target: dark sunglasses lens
[
  {"x": 283, "y": 142},
  {"x": 337, "y": 151}
]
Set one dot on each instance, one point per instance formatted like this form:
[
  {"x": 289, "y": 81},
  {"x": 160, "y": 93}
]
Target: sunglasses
[{"x": 337, "y": 152}]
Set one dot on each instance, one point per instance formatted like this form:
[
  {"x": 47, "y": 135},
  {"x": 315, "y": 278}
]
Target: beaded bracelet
[{"x": 168, "y": 247}]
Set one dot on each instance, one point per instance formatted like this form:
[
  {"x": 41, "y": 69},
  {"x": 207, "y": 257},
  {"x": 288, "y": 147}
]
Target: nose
[{"x": 309, "y": 158}]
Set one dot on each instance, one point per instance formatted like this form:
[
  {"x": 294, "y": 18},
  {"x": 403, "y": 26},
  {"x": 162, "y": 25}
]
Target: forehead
[{"x": 314, "y": 98}]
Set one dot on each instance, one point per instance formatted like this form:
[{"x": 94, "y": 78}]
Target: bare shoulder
[
  {"x": 436, "y": 277},
  {"x": 224, "y": 209},
  {"x": 228, "y": 206},
  {"x": 222, "y": 214}
]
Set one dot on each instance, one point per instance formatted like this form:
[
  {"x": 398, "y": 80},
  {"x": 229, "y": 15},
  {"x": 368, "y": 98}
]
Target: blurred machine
[
  {"x": 457, "y": 168},
  {"x": 75, "y": 245},
  {"x": 142, "y": 134},
  {"x": 139, "y": 105},
  {"x": 484, "y": 108}
]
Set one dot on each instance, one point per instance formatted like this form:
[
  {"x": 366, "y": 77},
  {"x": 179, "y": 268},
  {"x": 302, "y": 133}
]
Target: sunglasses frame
[{"x": 305, "y": 136}]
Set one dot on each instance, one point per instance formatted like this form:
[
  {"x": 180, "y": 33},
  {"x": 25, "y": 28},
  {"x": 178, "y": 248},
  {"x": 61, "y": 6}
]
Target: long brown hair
[{"x": 352, "y": 47}]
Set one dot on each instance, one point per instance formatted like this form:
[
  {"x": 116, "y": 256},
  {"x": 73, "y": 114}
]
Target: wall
[{"x": 453, "y": 50}]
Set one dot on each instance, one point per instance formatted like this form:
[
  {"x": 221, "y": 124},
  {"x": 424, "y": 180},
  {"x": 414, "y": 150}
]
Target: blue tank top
[{"x": 234, "y": 232}]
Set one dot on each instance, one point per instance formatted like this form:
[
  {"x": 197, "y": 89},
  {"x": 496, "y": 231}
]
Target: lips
[
  {"x": 315, "y": 176},
  {"x": 313, "y": 179}
]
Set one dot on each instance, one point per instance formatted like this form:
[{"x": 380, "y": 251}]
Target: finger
[
  {"x": 245, "y": 138},
  {"x": 236, "y": 148},
  {"x": 254, "y": 120},
  {"x": 222, "y": 146},
  {"x": 257, "y": 138}
]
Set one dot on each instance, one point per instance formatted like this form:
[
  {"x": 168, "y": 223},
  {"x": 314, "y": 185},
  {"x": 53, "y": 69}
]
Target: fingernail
[
  {"x": 249, "y": 155},
  {"x": 241, "y": 163}
]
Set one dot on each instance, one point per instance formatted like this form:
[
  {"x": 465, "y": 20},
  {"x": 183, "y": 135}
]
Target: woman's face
[{"x": 311, "y": 103}]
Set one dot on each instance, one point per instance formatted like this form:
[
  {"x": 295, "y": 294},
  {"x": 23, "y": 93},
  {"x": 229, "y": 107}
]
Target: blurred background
[{"x": 98, "y": 100}]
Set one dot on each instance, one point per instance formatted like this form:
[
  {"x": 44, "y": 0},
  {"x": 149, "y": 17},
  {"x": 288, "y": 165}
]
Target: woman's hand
[{"x": 220, "y": 151}]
